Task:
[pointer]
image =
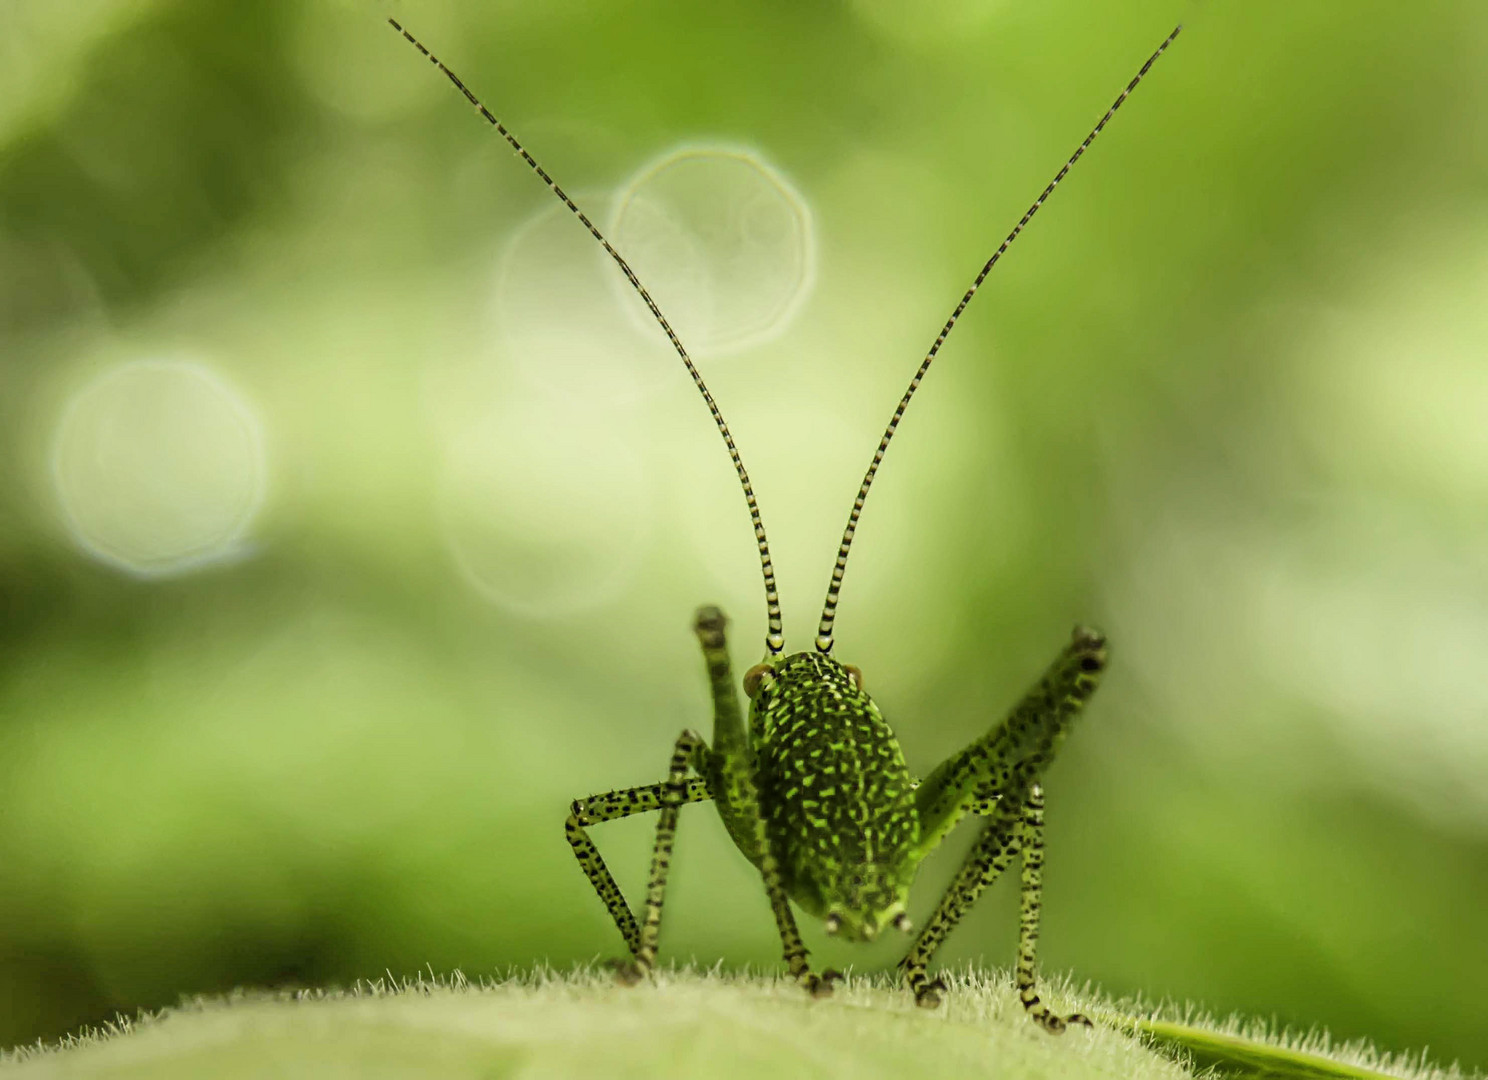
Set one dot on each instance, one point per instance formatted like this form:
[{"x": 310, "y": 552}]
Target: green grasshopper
[{"x": 815, "y": 790}]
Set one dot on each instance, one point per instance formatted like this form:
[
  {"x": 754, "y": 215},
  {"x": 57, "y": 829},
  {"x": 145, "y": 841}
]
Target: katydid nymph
[{"x": 812, "y": 786}]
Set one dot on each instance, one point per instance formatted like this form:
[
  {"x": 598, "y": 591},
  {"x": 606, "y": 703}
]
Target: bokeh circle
[{"x": 159, "y": 467}]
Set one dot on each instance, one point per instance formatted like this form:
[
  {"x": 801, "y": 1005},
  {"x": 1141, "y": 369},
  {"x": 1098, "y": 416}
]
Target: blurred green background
[{"x": 351, "y": 524}]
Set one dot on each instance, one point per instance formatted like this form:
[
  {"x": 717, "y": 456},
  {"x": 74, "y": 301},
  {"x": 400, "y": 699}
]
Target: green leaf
[{"x": 685, "y": 1024}]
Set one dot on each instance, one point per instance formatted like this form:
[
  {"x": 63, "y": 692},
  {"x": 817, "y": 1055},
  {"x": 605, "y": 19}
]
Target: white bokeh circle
[
  {"x": 159, "y": 467},
  {"x": 723, "y": 242},
  {"x": 559, "y": 320}
]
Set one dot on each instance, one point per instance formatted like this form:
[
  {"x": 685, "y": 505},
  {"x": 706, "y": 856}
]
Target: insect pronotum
[{"x": 815, "y": 790}]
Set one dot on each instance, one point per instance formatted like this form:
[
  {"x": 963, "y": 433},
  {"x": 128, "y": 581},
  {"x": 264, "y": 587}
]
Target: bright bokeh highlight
[
  {"x": 159, "y": 467},
  {"x": 558, "y": 318},
  {"x": 724, "y": 243}
]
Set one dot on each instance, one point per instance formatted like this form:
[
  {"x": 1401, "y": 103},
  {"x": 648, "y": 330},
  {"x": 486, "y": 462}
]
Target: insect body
[{"x": 814, "y": 789}]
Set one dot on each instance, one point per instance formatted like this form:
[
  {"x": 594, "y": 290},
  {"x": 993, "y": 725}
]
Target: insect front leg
[
  {"x": 731, "y": 775},
  {"x": 667, "y": 797}
]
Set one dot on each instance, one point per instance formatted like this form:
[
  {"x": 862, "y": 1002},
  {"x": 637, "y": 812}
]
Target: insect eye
[
  {"x": 855, "y": 673},
  {"x": 755, "y": 677}
]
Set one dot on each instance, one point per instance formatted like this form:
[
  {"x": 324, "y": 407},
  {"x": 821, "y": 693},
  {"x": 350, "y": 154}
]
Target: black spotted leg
[
  {"x": 993, "y": 852},
  {"x": 667, "y": 797},
  {"x": 998, "y": 777},
  {"x": 1029, "y": 906}
]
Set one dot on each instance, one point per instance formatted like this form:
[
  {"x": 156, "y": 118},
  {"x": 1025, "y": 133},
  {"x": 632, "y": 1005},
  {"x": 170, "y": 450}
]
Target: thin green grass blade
[
  {"x": 1251, "y": 1050},
  {"x": 1232, "y": 1055}
]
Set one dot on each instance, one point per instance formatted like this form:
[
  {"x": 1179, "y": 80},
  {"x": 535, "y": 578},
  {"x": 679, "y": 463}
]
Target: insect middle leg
[{"x": 668, "y": 797}]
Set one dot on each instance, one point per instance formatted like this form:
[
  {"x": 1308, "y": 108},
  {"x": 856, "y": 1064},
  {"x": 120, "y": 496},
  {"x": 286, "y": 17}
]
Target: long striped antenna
[
  {"x": 829, "y": 610},
  {"x": 774, "y": 636}
]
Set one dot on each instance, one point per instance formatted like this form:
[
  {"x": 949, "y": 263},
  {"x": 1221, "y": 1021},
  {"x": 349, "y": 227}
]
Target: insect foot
[
  {"x": 1056, "y": 1025},
  {"x": 930, "y": 994},
  {"x": 628, "y": 972},
  {"x": 820, "y": 986}
]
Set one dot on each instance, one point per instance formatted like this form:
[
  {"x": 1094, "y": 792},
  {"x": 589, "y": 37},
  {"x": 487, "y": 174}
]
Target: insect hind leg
[
  {"x": 1015, "y": 826},
  {"x": 997, "y": 778},
  {"x": 1029, "y": 737}
]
